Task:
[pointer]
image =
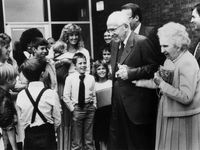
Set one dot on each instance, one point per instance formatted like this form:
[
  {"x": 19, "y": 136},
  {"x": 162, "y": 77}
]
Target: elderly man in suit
[
  {"x": 134, "y": 14},
  {"x": 196, "y": 21},
  {"x": 134, "y": 108}
]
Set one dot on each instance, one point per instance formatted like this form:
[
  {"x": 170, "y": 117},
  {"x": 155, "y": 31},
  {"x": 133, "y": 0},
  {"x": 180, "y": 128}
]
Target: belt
[
  {"x": 90, "y": 102},
  {"x": 87, "y": 103},
  {"x": 41, "y": 128}
]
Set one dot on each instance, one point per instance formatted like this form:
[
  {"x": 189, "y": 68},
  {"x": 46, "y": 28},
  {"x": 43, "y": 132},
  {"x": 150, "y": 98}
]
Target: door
[{"x": 15, "y": 31}]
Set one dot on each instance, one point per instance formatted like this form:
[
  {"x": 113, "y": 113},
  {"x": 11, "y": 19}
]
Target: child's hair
[
  {"x": 96, "y": 65},
  {"x": 106, "y": 49},
  {"x": 7, "y": 73},
  {"x": 4, "y": 39},
  {"x": 76, "y": 56},
  {"x": 28, "y": 36},
  {"x": 38, "y": 41},
  {"x": 59, "y": 47},
  {"x": 32, "y": 68},
  {"x": 51, "y": 39}
]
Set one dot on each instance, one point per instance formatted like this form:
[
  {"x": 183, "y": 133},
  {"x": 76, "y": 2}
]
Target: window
[{"x": 51, "y": 15}]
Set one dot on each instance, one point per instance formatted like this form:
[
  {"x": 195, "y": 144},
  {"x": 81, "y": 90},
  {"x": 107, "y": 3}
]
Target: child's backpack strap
[{"x": 35, "y": 105}]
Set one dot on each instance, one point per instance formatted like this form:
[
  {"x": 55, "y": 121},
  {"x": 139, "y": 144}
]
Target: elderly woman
[{"x": 178, "y": 122}]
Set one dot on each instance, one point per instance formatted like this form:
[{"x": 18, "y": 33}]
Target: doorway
[{"x": 15, "y": 30}]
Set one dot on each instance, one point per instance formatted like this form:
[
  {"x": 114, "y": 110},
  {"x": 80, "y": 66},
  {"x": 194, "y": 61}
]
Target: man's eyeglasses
[
  {"x": 114, "y": 29},
  {"x": 105, "y": 54}
]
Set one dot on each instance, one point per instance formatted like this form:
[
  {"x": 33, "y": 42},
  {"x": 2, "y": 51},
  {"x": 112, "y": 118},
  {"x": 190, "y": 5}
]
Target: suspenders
[{"x": 35, "y": 105}]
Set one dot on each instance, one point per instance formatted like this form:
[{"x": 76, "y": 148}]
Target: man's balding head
[{"x": 118, "y": 25}]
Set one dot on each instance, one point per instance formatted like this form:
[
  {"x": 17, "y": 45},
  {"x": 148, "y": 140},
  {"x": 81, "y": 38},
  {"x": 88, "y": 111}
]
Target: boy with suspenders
[{"x": 38, "y": 108}]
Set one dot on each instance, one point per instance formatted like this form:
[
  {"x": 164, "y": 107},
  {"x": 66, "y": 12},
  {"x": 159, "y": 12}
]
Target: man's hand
[
  {"x": 157, "y": 78},
  {"x": 122, "y": 72}
]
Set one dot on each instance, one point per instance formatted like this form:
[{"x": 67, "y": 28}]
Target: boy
[
  {"x": 39, "y": 47},
  {"x": 79, "y": 96},
  {"x": 40, "y": 51},
  {"x": 38, "y": 108},
  {"x": 8, "y": 115},
  {"x": 5, "y": 50},
  {"x": 106, "y": 54}
]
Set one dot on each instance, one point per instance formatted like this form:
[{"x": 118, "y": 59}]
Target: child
[
  {"x": 103, "y": 88},
  {"x": 59, "y": 48},
  {"x": 79, "y": 96},
  {"x": 62, "y": 61},
  {"x": 40, "y": 51},
  {"x": 106, "y": 58},
  {"x": 5, "y": 50},
  {"x": 38, "y": 108},
  {"x": 39, "y": 47},
  {"x": 8, "y": 115},
  {"x": 51, "y": 41}
]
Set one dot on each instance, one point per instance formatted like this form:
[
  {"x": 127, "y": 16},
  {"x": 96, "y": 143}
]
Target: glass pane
[
  {"x": 16, "y": 32},
  {"x": 69, "y": 10},
  {"x": 56, "y": 30},
  {"x": 25, "y": 11}
]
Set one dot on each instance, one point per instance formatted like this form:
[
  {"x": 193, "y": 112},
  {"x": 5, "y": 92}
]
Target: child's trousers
[
  {"x": 40, "y": 137},
  {"x": 82, "y": 127}
]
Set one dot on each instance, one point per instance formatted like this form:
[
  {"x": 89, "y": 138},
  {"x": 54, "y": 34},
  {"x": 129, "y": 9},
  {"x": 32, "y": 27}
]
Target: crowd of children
[{"x": 35, "y": 93}]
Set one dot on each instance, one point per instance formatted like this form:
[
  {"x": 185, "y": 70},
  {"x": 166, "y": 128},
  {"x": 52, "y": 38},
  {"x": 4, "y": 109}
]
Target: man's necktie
[
  {"x": 120, "y": 51},
  {"x": 81, "y": 95}
]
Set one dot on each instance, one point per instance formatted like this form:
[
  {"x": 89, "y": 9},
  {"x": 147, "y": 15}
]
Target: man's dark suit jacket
[
  {"x": 140, "y": 103},
  {"x": 151, "y": 33}
]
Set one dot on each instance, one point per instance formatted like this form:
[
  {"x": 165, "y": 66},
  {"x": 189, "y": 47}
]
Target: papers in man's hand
[{"x": 145, "y": 83}]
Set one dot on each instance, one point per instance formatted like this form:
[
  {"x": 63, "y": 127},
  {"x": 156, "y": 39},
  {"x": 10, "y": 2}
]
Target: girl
[{"x": 103, "y": 92}]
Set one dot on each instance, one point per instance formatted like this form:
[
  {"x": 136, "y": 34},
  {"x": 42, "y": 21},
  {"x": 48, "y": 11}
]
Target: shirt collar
[
  {"x": 137, "y": 29},
  {"x": 180, "y": 55},
  {"x": 77, "y": 73},
  {"x": 126, "y": 39},
  {"x": 195, "y": 51},
  {"x": 36, "y": 84},
  {"x": 27, "y": 54}
]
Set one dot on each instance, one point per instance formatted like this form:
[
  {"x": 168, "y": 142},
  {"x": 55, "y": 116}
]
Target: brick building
[
  {"x": 155, "y": 12},
  {"x": 56, "y": 13}
]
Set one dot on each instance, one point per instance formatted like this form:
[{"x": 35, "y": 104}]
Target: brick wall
[
  {"x": 155, "y": 12},
  {"x": 159, "y": 12}
]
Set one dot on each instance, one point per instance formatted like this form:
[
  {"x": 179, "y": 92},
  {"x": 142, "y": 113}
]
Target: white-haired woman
[{"x": 178, "y": 122}]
